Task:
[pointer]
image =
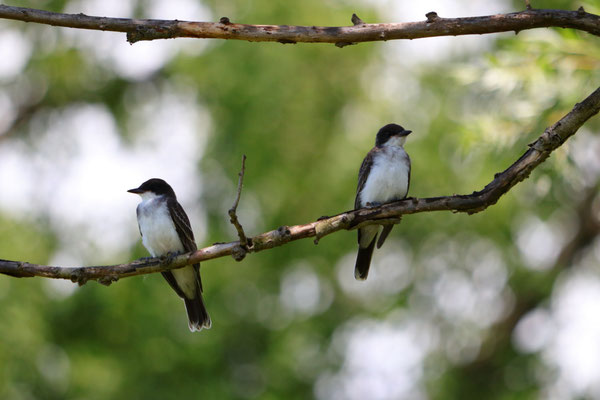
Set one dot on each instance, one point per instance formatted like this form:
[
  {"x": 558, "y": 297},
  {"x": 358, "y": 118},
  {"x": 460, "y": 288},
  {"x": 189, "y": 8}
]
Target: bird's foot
[
  {"x": 373, "y": 204},
  {"x": 170, "y": 256}
]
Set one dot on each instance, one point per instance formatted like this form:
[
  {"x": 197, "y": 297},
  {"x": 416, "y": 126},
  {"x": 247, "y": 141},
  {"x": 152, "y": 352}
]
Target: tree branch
[
  {"x": 538, "y": 151},
  {"x": 148, "y": 29}
]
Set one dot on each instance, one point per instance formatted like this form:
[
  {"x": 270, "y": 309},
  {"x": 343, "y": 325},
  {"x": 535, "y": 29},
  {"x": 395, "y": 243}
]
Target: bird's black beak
[
  {"x": 136, "y": 191},
  {"x": 405, "y": 132}
]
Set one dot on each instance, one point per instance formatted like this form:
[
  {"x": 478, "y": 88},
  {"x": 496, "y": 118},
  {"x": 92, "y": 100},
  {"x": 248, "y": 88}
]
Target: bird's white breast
[
  {"x": 159, "y": 235},
  {"x": 388, "y": 178}
]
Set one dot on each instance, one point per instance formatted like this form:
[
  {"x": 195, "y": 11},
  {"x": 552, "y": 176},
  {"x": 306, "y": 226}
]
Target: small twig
[
  {"x": 233, "y": 216},
  {"x": 356, "y": 20},
  {"x": 527, "y": 5},
  {"x": 432, "y": 17}
]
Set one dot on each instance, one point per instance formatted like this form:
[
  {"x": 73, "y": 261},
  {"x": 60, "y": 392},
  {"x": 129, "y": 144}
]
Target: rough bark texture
[{"x": 147, "y": 29}]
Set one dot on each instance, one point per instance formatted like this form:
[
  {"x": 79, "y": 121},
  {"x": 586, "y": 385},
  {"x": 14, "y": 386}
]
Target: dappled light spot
[
  {"x": 54, "y": 366},
  {"x": 15, "y": 50},
  {"x": 539, "y": 242},
  {"x": 574, "y": 343},
  {"x": 381, "y": 360},
  {"x": 302, "y": 291},
  {"x": 534, "y": 330},
  {"x": 58, "y": 288}
]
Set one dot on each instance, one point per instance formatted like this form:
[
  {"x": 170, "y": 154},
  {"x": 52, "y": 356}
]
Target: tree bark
[{"x": 149, "y": 29}]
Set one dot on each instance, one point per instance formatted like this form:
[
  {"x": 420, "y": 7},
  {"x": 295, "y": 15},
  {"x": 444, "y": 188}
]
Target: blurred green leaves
[{"x": 292, "y": 322}]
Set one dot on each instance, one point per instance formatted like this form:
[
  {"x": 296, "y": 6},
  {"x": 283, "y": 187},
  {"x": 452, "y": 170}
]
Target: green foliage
[{"x": 305, "y": 115}]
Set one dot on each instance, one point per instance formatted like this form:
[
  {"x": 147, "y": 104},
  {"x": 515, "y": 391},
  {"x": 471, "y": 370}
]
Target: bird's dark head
[
  {"x": 154, "y": 186},
  {"x": 391, "y": 134}
]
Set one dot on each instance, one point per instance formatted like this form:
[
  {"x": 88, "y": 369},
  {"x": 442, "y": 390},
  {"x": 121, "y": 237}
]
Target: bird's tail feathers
[
  {"x": 363, "y": 260},
  {"x": 198, "y": 317}
]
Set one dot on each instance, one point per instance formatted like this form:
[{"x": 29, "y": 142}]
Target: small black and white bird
[
  {"x": 166, "y": 229},
  {"x": 384, "y": 177}
]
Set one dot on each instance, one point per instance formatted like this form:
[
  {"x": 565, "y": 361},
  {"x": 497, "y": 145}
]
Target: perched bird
[
  {"x": 166, "y": 230},
  {"x": 384, "y": 177}
]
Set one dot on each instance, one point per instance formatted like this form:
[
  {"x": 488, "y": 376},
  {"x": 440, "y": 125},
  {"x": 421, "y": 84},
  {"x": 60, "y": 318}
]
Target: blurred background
[{"x": 503, "y": 304}]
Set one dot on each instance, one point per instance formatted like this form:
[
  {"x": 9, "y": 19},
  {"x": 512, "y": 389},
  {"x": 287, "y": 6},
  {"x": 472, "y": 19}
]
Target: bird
[
  {"x": 384, "y": 176},
  {"x": 166, "y": 230}
]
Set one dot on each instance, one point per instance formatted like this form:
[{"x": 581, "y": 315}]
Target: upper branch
[
  {"x": 149, "y": 29},
  {"x": 538, "y": 151}
]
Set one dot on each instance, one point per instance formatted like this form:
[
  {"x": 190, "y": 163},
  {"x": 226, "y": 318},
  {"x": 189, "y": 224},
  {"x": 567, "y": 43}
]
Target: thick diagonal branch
[
  {"x": 538, "y": 151},
  {"x": 148, "y": 29}
]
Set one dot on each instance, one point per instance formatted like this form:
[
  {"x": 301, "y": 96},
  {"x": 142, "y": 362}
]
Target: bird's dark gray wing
[
  {"x": 182, "y": 225},
  {"x": 186, "y": 235},
  {"x": 365, "y": 251},
  {"x": 363, "y": 174}
]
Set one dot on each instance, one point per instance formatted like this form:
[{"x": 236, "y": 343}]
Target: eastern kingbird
[
  {"x": 166, "y": 229},
  {"x": 384, "y": 176}
]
